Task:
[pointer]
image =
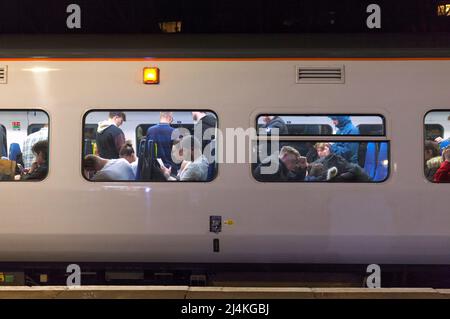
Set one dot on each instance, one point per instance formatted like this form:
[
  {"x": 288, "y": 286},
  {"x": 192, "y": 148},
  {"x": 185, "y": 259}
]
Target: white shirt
[
  {"x": 196, "y": 171},
  {"x": 134, "y": 166},
  {"x": 115, "y": 170}
]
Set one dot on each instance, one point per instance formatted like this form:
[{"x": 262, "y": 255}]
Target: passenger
[
  {"x": 194, "y": 165},
  {"x": 271, "y": 122},
  {"x": 291, "y": 166},
  {"x": 323, "y": 149},
  {"x": 107, "y": 169},
  {"x": 28, "y": 157},
  {"x": 3, "y": 143},
  {"x": 39, "y": 169},
  {"x": 443, "y": 173},
  {"x": 110, "y": 137},
  {"x": 347, "y": 150},
  {"x": 432, "y": 159},
  {"x": 346, "y": 171},
  {"x": 442, "y": 143},
  {"x": 127, "y": 152},
  {"x": 202, "y": 122},
  {"x": 161, "y": 134},
  {"x": 15, "y": 154}
]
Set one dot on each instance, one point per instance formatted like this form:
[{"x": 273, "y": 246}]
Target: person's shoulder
[
  {"x": 121, "y": 161},
  {"x": 113, "y": 129}
]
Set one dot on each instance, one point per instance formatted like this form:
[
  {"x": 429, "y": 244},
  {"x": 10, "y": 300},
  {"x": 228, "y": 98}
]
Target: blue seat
[
  {"x": 141, "y": 156},
  {"x": 147, "y": 151},
  {"x": 370, "y": 164},
  {"x": 381, "y": 171}
]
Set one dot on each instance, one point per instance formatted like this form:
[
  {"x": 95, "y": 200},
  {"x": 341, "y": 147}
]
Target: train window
[
  {"x": 322, "y": 161},
  {"x": 322, "y": 125},
  {"x": 33, "y": 128},
  {"x": 149, "y": 146},
  {"x": 437, "y": 146},
  {"x": 316, "y": 160},
  {"x": 24, "y": 154}
]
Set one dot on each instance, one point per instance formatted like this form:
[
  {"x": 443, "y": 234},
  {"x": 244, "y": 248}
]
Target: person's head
[
  {"x": 446, "y": 154},
  {"x": 266, "y": 118},
  {"x": 431, "y": 150},
  {"x": 290, "y": 157},
  {"x": 40, "y": 150},
  {"x": 117, "y": 118},
  {"x": 340, "y": 121},
  {"x": 323, "y": 149},
  {"x": 93, "y": 163},
  {"x": 166, "y": 117},
  {"x": 196, "y": 116},
  {"x": 188, "y": 148},
  {"x": 127, "y": 152},
  {"x": 316, "y": 169}
]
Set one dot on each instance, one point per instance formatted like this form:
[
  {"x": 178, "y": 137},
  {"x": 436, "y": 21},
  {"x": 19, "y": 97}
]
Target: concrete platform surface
[{"x": 186, "y": 292}]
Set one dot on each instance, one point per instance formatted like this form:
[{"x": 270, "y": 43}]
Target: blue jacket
[
  {"x": 347, "y": 150},
  {"x": 444, "y": 144}
]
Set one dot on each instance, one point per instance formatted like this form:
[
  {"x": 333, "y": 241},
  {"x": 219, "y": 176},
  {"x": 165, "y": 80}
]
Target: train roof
[{"x": 376, "y": 45}]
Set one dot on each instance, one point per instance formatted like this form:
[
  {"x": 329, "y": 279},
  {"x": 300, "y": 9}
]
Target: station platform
[{"x": 186, "y": 292}]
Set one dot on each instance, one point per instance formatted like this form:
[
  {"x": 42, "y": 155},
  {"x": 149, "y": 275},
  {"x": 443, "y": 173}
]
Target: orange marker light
[{"x": 151, "y": 75}]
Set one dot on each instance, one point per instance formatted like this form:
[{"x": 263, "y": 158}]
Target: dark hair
[
  {"x": 89, "y": 162},
  {"x": 127, "y": 149},
  {"x": 41, "y": 147},
  {"x": 119, "y": 114},
  {"x": 433, "y": 147}
]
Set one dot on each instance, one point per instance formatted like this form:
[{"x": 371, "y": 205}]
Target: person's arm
[
  {"x": 36, "y": 173},
  {"x": 119, "y": 141},
  {"x": 167, "y": 173},
  {"x": 191, "y": 173}
]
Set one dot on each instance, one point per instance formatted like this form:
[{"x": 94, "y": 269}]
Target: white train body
[{"x": 405, "y": 219}]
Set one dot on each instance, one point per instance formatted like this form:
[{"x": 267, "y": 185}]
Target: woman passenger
[
  {"x": 432, "y": 159},
  {"x": 39, "y": 168},
  {"x": 127, "y": 152},
  {"x": 443, "y": 173}
]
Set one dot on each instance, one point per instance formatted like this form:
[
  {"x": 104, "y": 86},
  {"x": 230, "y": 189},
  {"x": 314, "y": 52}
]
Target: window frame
[
  {"x": 423, "y": 144},
  {"x": 383, "y": 118},
  {"x": 125, "y": 110},
  {"x": 26, "y": 110},
  {"x": 326, "y": 138}
]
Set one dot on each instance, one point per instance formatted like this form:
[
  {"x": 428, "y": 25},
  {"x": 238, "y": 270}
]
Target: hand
[
  {"x": 33, "y": 167},
  {"x": 302, "y": 162},
  {"x": 166, "y": 171},
  {"x": 438, "y": 139}
]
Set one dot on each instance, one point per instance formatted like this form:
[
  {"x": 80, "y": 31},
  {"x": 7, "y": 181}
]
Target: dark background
[{"x": 221, "y": 16}]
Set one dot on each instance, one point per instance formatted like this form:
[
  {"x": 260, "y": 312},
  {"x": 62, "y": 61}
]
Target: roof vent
[
  {"x": 320, "y": 74},
  {"x": 3, "y": 74}
]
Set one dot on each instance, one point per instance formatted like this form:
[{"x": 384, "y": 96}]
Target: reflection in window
[
  {"x": 437, "y": 146},
  {"x": 322, "y": 125},
  {"x": 24, "y": 152},
  {"x": 317, "y": 162},
  {"x": 155, "y": 146}
]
